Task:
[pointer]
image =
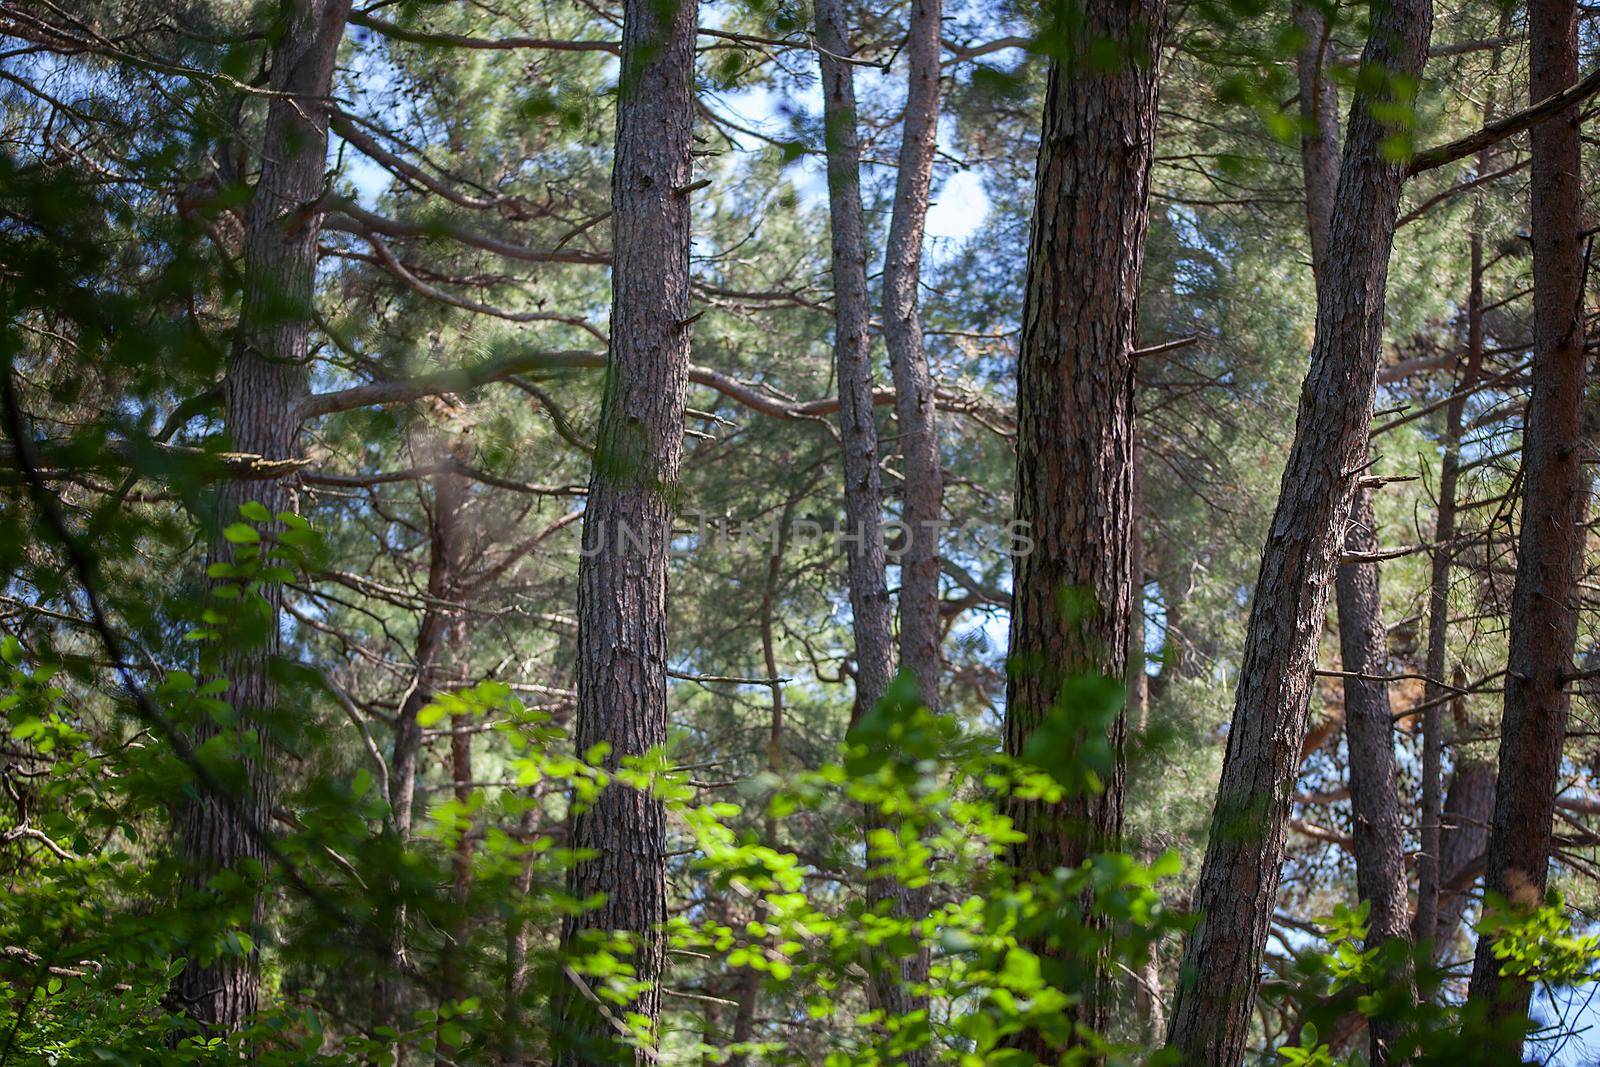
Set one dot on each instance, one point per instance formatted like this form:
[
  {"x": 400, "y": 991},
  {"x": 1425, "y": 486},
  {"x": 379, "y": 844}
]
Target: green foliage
[
  {"x": 122, "y": 284},
  {"x": 99, "y": 913},
  {"x": 1539, "y": 943}
]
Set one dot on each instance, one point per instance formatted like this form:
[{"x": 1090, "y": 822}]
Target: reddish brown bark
[
  {"x": 1238, "y": 883},
  {"x": 1319, "y": 137},
  {"x": 1073, "y": 594},
  {"x": 1463, "y": 837},
  {"x": 264, "y": 381},
  {"x": 622, "y": 578},
  {"x": 1378, "y": 830},
  {"x": 1543, "y": 610}
]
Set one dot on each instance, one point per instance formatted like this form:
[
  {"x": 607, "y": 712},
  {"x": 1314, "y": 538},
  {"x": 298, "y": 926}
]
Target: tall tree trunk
[
  {"x": 1463, "y": 837},
  {"x": 1319, "y": 136},
  {"x": 920, "y": 630},
  {"x": 1378, "y": 831},
  {"x": 439, "y": 624},
  {"x": 1363, "y": 641},
  {"x": 1148, "y": 1000},
  {"x": 265, "y": 377},
  {"x": 1074, "y": 594},
  {"x": 852, "y": 354},
  {"x": 1368, "y": 730},
  {"x": 1554, "y": 491},
  {"x": 894, "y": 980},
  {"x": 627, "y": 523},
  {"x": 1238, "y": 882}
]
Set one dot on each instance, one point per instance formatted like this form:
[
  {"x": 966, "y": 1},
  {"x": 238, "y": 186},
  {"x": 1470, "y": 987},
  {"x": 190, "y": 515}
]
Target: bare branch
[{"x": 1509, "y": 126}]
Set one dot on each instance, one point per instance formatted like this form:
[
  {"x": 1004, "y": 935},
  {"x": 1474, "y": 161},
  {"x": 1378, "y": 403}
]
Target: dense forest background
[{"x": 752, "y": 532}]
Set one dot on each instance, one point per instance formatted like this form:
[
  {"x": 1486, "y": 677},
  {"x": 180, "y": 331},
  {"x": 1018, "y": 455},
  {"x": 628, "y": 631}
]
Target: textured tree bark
[
  {"x": 1464, "y": 835},
  {"x": 1319, "y": 138},
  {"x": 923, "y": 495},
  {"x": 1378, "y": 830},
  {"x": 1369, "y": 736},
  {"x": 1363, "y": 641},
  {"x": 852, "y": 354},
  {"x": 1239, "y": 879},
  {"x": 920, "y": 632},
  {"x": 1543, "y": 612},
  {"x": 265, "y": 378},
  {"x": 622, "y": 578},
  {"x": 1073, "y": 595},
  {"x": 1149, "y": 1003}
]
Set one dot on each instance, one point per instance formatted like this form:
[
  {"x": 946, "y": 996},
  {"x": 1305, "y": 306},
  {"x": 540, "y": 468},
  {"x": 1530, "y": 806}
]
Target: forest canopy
[{"x": 593, "y": 532}]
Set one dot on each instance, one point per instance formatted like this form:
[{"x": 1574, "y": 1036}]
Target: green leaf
[{"x": 175, "y": 682}]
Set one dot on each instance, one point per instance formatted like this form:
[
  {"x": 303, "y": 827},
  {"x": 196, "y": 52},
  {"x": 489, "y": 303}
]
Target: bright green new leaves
[{"x": 1540, "y": 943}]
